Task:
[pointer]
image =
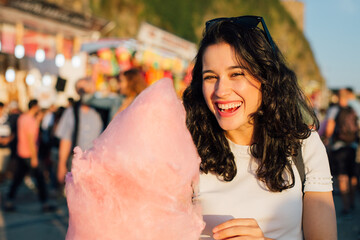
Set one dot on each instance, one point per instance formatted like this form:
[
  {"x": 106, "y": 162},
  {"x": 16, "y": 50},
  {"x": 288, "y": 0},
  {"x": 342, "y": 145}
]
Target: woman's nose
[{"x": 222, "y": 87}]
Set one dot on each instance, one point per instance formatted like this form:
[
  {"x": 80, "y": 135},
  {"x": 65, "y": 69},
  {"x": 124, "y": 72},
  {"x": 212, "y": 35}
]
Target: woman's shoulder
[
  {"x": 313, "y": 148},
  {"x": 313, "y": 138}
]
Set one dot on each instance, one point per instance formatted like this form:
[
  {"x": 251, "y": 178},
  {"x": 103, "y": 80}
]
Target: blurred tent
[{"x": 112, "y": 43}]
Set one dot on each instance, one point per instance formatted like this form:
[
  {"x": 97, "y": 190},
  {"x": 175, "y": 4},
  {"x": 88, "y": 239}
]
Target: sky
[{"x": 332, "y": 28}]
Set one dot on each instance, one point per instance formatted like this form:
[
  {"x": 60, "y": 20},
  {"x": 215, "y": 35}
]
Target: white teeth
[{"x": 228, "y": 106}]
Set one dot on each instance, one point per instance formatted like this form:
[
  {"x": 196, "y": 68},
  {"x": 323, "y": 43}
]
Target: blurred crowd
[
  {"x": 339, "y": 130},
  {"x": 36, "y": 144}
]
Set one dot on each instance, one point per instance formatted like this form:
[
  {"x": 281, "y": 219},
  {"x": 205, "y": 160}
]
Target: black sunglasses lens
[{"x": 250, "y": 22}]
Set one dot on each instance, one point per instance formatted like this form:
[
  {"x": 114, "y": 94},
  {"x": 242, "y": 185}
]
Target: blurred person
[
  {"x": 14, "y": 114},
  {"x": 79, "y": 125},
  {"x": 47, "y": 124},
  {"x": 353, "y": 101},
  {"x": 45, "y": 141},
  {"x": 130, "y": 84},
  {"x": 342, "y": 136},
  {"x": 355, "y": 104},
  {"x": 54, "y": 149},
  {"x": 253, "y": 129},
  {"x": 28, "y": 161},
  {"x": 6, "y": 136},
  {"x": 323, "y": 121}
]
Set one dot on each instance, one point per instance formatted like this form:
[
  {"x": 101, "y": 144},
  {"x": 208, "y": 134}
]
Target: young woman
[
  {"x": 249, "y": 120},
  {"x": 131, "y": 83}
]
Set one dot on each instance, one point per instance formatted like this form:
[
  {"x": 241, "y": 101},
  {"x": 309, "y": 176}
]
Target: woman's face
[
  {"x": 230, "y": 92},
  {"x": 123, "y": 85}
]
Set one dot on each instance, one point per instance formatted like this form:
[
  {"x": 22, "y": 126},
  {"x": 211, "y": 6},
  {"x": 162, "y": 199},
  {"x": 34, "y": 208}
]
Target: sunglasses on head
[{"x": 247, "y": 21}]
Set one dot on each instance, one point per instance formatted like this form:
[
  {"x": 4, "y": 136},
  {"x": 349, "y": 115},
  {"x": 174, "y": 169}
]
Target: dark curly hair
[{"x": 283, "y": 119}]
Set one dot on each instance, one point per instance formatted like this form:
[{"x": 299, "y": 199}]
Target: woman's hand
[{"x": 240, "y": 228}]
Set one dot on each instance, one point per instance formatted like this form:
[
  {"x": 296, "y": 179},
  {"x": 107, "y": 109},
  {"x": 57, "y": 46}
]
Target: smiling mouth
[{"x": 228, "y": 108}]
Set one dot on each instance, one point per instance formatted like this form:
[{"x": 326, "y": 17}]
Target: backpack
[
  {"x": 76, "y": 109},
  {"x": 346, "y": 125},
  {"x": 300, "y": 166}
]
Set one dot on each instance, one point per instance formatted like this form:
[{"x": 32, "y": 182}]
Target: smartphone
[{"x": 211, "y": 222}]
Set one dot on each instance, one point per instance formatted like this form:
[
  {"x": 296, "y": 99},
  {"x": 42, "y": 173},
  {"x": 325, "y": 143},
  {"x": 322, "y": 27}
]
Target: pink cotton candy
[{"x": 137, "y": 181}]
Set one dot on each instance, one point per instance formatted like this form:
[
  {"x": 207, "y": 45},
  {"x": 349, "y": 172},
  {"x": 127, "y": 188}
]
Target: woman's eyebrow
[
  {"x": 229, "y": 68},
  {"x": 236, "y": 67},
  {"x": 207, "y": 71}
]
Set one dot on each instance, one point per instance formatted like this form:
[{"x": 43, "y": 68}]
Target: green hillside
[{"x": 186, "y": 19}]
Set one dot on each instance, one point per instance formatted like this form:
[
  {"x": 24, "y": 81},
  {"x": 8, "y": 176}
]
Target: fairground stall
[
  {"x": 40, "y": 53},
  {"x": 156, "y": 52}
]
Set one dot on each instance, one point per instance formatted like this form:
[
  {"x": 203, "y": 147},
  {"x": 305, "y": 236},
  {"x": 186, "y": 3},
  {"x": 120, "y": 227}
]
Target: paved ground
[
  {"x": 28, "y": 222},
  {"x": 348, "y": 227}
]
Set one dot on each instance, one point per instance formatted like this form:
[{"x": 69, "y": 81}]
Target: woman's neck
[{"x": 241, "y": 137}]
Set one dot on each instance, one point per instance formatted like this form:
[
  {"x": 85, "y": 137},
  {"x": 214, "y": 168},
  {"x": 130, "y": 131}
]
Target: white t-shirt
[{"x": 278, "y": 214}]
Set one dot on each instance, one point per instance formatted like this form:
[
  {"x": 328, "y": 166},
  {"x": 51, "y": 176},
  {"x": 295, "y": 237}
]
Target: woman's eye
[
  {"x": 236, "y": 74},
  {"x": 209, "y": 77}
]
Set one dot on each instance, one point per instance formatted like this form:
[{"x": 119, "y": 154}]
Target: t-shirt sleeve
[
  {"x": 317, "y": 170},
  {"x": 332, "y": 112},
  {"x": 64, "y": 129}
]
